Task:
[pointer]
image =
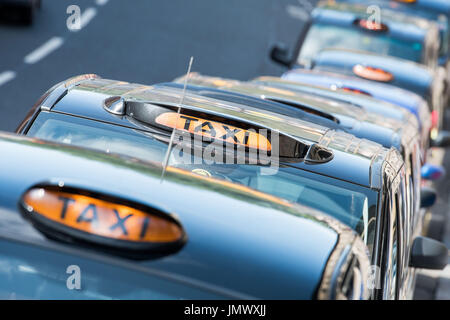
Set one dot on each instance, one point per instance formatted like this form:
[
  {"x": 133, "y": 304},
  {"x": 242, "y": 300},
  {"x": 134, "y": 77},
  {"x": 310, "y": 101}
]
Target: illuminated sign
[
  {"x": 106, "y": 221},
  {"x": 214, "y": 130},
  {"x": 371, "y": 73}
]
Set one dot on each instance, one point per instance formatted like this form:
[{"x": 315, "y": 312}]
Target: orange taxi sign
[
  {"x": 214, "y": 130},
  {"x": 373, "y": 26},
  {"x": 372, "y": 73},
  {"x": 90, "y": 218},
  {"x": 353, "y": 90}
]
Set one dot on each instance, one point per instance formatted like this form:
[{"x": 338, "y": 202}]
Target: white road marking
[
  {"x": 101, "y": 2},
  {"x": 6, "y": 76},
  {"x": 297, "y": 12},
  {"x": 44, "y": 50},
  {"x": 87, "y": 16}
]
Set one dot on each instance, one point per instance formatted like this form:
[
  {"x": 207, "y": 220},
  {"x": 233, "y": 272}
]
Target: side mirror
[
  {"x": 427, "y": 253},
  {"x": 428, "y": 197},
  {"x": 442, "y": 140},
  {"x": 280, "y": 54},
  {"x": 432, "y": 172}
]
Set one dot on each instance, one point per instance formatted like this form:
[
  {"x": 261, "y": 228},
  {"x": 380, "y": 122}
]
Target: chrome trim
[
  {"x": 306, "y": 142},
  {"x": 115, "y": 105},
  {"x": 61, "y": 89}
]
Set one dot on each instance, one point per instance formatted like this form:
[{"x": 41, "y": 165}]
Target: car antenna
[{"x": 169, "y": 149}]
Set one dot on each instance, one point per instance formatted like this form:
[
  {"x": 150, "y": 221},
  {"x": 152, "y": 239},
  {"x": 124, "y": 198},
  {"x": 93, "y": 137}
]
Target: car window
[
  {"x": 351, "y": 204},
  {"x": 89, "y": 134},
  {"x": 321, "y": 37}
]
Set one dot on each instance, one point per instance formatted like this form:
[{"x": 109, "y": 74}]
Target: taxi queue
[{"x": 311, "y": 185}]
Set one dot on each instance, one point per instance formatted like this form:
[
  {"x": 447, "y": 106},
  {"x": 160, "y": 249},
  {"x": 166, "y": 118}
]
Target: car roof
[
  {"x": 352, "y": 118},
  {"x": 406, "y": 74},
  {"x": 306, "y": 235},
  {"x": 260, "y": 104},
  {"x": 407, "y": 99},
  {"x": 86, "y": 99},
  {"x": 363, "y": 99},
  {"x": 401, "y": 26},
  {"x": 394, "y": 117}
]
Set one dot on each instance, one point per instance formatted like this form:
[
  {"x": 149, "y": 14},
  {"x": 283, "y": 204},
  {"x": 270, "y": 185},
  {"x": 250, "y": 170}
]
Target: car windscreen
[
  {"x": 352, "y": 204},
  {"x": 321, "y": 37}
]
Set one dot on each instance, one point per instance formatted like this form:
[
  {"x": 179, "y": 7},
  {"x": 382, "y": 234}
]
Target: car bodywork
[
  {"x": 439, "y": 14},
  {"x": 374, "y": 170},
  {"x": 351, "y": 119},
  {"x": 406, "y": 99},
  {"x": 410, "y": 145},
  {"x": 421, "y": 35},
  {"x": 348, "y": 118},
  {"x": 405, "y": 74},
  {"x": 334, "y": 14},
  {"x": 221, "y": 257},
  {"x": 434, "y": 10}
]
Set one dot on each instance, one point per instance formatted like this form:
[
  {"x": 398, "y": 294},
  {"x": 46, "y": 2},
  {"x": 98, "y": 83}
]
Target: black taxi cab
[
  {"x": 434, "y": 10},
  {"x": 437, "y": 11},
  {"x": 97, "y": 225},
  {"x": 352, "y": 26},
  {"x": 429, "y": 84},
  {"x": 359, "y": 182},
  {"x": 351, "y": 118},
  {"x": 400, "y": 50}
]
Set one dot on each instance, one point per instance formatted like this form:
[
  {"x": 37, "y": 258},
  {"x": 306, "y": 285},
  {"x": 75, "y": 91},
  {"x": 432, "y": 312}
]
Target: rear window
[{"x": 321, "y": 37}]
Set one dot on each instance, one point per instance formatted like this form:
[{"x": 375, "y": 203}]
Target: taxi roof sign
[
  {"x": 371, "y": 25},
  {"x": 214, "y": 130},
  {"x": 372, "y": 73},
  {"x": 85, "y": 217}
]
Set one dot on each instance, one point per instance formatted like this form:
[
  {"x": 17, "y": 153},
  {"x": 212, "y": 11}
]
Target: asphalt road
[{"x": 142, "y": 41}]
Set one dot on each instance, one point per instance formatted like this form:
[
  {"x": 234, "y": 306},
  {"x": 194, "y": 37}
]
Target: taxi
[
  {"x": 349, "y": 117},
  {"x": 437, "y": 11},
  {"x": 340, "y": 38},
  {"x": 378, "y": 90},
  {"x": 350, "y": 26},
  {"x": 356, "y": 97},
  {"x": 404, "y": 74},
  {"x": 98, "y": 225},
  {"x": 341, "y": 115},
  {"x": 358, "y": 182}
]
